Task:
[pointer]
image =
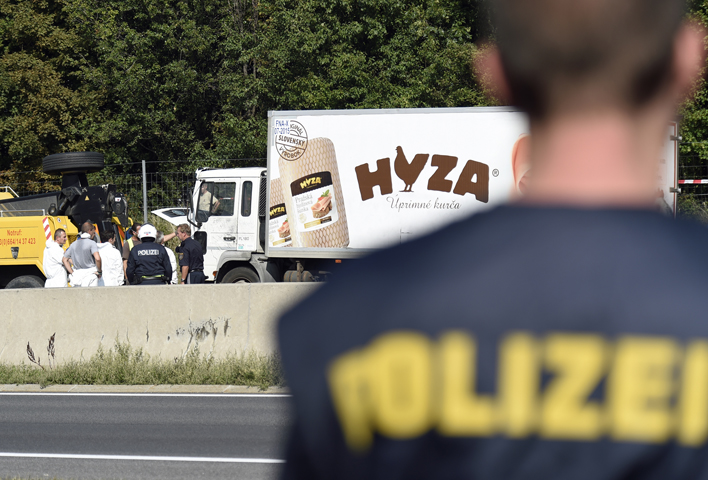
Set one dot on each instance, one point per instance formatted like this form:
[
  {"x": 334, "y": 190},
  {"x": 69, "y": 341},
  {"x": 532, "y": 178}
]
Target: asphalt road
[{"x": 141, "y": 436}]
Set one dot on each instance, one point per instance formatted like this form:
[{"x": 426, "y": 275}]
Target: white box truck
[{"x": 342, "y": 183}]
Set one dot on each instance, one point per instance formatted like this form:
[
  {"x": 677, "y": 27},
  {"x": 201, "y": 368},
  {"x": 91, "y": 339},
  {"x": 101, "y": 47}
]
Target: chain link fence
[{"x": 164, "y": 188}]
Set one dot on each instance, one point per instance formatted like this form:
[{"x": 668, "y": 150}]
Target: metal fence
[
  {"x": 173, "y": 188},
  {"x": 164, "y": 188}
]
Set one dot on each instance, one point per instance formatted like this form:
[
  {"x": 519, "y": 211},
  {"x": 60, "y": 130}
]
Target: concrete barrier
[{"x": 165, "y": 321}]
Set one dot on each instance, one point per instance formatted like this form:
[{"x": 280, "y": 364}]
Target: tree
[
  {"x": 43, "y": 104},
  {"x": 185, "y": 81}
]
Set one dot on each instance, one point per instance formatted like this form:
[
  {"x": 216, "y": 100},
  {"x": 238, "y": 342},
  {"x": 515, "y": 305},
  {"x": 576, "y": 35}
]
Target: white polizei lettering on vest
[{"x": 148, "y": 252}]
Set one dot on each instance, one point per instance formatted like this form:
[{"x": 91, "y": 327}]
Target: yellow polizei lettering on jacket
[
  {"x": 578, "y": 364},
  {"x": 637, "y": 388},
  {"x": 693, "y": 405},
  {"x": 400, "y": 373},
  {"x": 462, "y": 411},
  {"x": 519, "y": 377},
  {"x": 640, "y": 389},
  {"x": 348, "y": 383}
]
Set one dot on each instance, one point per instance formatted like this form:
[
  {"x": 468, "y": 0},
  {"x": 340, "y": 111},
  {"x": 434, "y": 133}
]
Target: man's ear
[
  {"x": 689, "y": 57},
  {"x": 490, "y": 72}
]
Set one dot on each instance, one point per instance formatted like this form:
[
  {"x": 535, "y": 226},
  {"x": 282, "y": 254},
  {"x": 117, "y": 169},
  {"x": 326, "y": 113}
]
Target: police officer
[
  {"x": 148, "y": 263},
  {"x": 191, "y": 257}
]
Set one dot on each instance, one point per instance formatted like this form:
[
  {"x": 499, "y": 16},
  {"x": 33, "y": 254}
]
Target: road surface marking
[
  {"x": 71, "y": 456},
  {"x": 204, "y": 395}
]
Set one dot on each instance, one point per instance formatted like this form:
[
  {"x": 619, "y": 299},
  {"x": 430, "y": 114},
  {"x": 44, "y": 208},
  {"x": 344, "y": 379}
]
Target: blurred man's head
[{"x": 560, "y": 56}]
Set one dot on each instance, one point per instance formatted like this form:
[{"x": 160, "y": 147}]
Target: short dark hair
[
  {"x": 136, "y": 225},
  {"x": 107, "y": 235},
  {"x": 58, "y": 231},
  {"x": 565, "y": 53}
]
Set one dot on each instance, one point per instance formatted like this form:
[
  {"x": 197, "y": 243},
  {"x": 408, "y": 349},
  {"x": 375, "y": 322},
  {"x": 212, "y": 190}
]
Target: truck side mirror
[{"x": 202, "y": 216}]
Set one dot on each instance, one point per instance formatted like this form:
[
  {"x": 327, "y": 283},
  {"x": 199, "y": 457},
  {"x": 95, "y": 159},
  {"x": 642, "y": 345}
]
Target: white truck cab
[
  {"x": 224, "y": 217},
  {"x": 228, "y": 218}
]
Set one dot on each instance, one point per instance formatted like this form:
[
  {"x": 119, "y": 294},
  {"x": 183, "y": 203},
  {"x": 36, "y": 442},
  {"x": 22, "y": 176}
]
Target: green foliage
[
  {"x": 694, "y": 121},
  {"x": 193, "y": 80},
  {"x": 44, "y": 106},
  {"x": 693, "y": 207},
  {"x": 124, "y": 365}
]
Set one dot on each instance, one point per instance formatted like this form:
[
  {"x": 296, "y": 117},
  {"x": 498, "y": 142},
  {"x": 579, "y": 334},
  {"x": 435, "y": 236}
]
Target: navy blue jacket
[
  {"x": 522, "y": 343},
  {"x": 147, "y": 261}
]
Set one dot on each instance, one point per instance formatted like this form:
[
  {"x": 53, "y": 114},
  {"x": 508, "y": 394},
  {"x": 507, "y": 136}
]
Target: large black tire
[
  {"x": 240, "y": 275},
  {"x": 73, "y": 162},
  {"x": 26, "y": 281}
]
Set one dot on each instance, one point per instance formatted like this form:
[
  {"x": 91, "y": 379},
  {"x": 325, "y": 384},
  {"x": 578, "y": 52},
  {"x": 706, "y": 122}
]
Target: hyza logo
[
  {"x": 290, "y": 139},
  {"x": 312, "y": 181},
  {"x": 473, "y": 179},
  {"x": 276, "y": 211}
]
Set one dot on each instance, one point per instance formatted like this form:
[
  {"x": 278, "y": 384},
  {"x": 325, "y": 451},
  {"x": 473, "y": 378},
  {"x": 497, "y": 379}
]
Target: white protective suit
[
  {"x": 173, "y": 262},
  {"x": 111, "y": 266},
  {"x": 53, "y": 267},
  {"x": 84, "y": 277}
]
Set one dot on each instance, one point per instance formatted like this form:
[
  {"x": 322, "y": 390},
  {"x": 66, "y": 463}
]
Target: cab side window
[{"x": 217, "y": 198}]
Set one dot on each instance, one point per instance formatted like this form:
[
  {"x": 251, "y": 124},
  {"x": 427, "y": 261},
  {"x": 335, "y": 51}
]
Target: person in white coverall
[
  {"x": 162, "y": 239},
  {"x": 52, "y": 262},
  {"x": 111, "y": 261}
]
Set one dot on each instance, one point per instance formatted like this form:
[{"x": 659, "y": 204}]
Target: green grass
[{"x": 123, "y": 365}]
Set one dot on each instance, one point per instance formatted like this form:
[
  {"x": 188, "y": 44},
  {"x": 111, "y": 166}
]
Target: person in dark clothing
[
  {"x": 132, "y": 238},
  {"x": 148, "y": 262},
  {"x": 133, "y": 231},
  {"x": 191, "y": 257},
  {"x": 560, "y": 337}
]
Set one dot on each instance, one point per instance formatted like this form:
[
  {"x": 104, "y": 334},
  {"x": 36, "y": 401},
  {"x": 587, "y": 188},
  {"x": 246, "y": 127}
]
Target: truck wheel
[
  {"x": 26, "y": 281},
  {"x": 240, "y": 275},
  {"x": 73, "y": 162}
]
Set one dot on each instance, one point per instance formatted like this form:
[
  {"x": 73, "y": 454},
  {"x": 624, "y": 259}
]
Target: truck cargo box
[{"x": 343, "y": 183}]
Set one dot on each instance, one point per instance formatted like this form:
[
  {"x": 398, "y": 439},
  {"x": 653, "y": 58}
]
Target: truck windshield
[{"x": 216, "y": 199}]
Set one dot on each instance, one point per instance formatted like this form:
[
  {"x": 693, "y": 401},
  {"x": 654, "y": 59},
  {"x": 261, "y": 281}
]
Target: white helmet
[{"x": 147, "y": 231}]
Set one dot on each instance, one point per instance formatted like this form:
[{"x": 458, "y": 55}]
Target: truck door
[
  {"x": 248, "y": 216},
  {"x": 217, "y": 209}
]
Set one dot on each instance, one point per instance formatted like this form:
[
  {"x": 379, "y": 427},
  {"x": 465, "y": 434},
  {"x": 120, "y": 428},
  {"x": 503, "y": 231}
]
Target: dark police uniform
[
  {"x": 553, "y": 343},
  {"x": 148, "y": 264},
  {"x": 190, "y": 255}
]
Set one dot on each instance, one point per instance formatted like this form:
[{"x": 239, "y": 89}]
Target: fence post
[{"x": 145, "y": 195}]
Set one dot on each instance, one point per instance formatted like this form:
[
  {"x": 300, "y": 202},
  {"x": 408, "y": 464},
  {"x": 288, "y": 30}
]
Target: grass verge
[{"x": 123, "y": 365}]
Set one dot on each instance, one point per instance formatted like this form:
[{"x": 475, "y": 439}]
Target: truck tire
[
  {"x": 240, "y": 275},
  {"x": 26, "y": 281},
  {"x": 73, "y": 162}
]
